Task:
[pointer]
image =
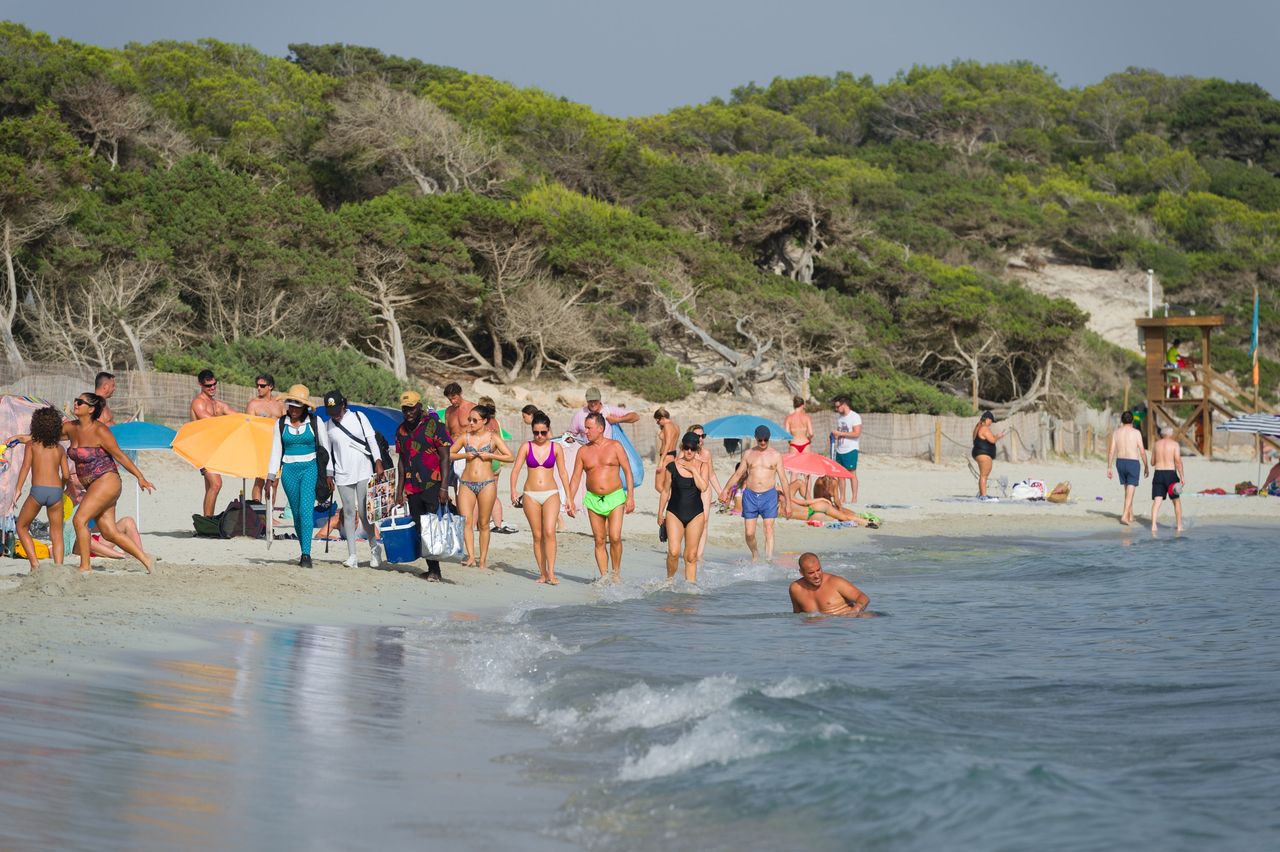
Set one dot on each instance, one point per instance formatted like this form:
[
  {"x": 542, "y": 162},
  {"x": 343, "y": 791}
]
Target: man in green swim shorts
[{"x": 603, "y": 460}]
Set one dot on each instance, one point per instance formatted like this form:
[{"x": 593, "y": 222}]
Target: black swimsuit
[
  {"x": 686, "y": 499},
  {"x": 983, "y": 447}
]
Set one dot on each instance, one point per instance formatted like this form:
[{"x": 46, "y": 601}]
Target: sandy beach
[{"x": 60, "y": 623}]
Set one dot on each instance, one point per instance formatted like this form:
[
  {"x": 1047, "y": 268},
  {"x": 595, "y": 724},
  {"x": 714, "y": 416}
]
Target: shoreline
[{"x": 62, "y": 625}]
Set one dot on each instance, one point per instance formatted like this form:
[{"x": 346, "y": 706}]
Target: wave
[{"x": 719, "y": 739}]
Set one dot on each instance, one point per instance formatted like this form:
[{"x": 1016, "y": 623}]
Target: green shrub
[
  {"x": 1227, "y": 359},
  {"x": 662, "y": 381},
  {"x": 886, "y": 390},
  {"x": 320, "y": 368}
]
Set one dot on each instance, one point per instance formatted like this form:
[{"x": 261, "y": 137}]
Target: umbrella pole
[
  {"x": 137, "y": 505},
  {"x": 244, "y": 508}
]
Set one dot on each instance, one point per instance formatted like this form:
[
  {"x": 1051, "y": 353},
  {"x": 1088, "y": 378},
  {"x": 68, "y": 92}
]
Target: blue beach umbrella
[
  {"x": 385, "y": 421},
  {"x": 140, "y": 435},
  {"x": 744, "y": 426}
]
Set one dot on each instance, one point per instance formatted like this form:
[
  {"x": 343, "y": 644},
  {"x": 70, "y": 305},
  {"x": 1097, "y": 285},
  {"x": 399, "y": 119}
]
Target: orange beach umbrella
[{"x": 231, "y": 444}]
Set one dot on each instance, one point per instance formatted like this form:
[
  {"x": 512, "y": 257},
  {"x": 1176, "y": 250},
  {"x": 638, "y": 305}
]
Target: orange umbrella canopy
[
  {"x": 813, "y": 464},
  {"x": 232, "y": 444}
]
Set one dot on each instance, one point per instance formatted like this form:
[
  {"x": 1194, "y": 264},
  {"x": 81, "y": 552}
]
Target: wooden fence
[{"x": 166, "y": 398}]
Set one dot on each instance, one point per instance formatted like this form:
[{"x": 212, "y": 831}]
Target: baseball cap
[
  {"x": 334, "y": 400},
  {"x": 409, "y": 399},
  {"x": 762, "y": 432},
  {"x": 593, "y": 394}
]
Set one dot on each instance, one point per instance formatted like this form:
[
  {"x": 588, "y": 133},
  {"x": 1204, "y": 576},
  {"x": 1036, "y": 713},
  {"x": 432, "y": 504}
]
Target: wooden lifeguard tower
[{"x": 1185, "y": 395}]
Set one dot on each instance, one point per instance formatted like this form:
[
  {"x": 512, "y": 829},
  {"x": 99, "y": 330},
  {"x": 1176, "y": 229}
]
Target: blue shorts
[
  {"x": 849, "y": 460},
  {"x": 759, "y": 504},
  {"x": 1128, "y": 470}
]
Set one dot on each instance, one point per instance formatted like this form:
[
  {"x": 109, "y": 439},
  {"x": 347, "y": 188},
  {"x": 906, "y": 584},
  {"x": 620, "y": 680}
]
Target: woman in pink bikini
[
  {"x": 94, "y": 452},
  {"x": 541, "y": 497}
]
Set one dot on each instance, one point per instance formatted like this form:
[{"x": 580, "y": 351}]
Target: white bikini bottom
[{"x": 541, "y": 497}]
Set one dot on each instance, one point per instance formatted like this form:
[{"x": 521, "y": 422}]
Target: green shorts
[{"x": 604, "y": 504}]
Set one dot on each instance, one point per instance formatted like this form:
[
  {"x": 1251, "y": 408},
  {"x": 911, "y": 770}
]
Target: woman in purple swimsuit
[
  {"x": 94, "y": 452},
  {"x": 541, "y": 497}
]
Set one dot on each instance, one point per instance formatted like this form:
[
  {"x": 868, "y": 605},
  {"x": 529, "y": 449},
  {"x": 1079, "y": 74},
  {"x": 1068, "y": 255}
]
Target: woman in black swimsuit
[
  {"x": 984, "y": 450},
  {"x": 680, "y": 508}
]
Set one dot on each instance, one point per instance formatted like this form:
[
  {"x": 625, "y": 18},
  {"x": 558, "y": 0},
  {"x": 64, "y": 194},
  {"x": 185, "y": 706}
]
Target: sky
[{"x": 648, "y": 56}]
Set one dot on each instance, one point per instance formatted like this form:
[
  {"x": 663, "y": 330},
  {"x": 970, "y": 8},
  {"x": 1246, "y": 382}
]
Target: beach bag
[
  {"x": 1060, "y": 493},
  {"x": 442, "y": 534},
  {"x": 238, "y": 521},
  {"x": 380, "y": 500},
  {"x": 208, "y": 527},
  {"x": 42, "y": 549},
  {"x": 1028, "y": 489},
  {"x": 384, "y": 450}
]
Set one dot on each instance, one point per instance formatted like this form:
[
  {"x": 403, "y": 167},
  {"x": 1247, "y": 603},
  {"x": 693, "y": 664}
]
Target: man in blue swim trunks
[
  {"x": 1126, "y": 451},
  {"x": 765, "y": 486},
  {"x": 845, "y": 440}
]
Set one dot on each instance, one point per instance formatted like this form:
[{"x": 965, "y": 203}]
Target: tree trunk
[
  {"x": 399, "y": 365},
  {"x": 10, "y": 309}
]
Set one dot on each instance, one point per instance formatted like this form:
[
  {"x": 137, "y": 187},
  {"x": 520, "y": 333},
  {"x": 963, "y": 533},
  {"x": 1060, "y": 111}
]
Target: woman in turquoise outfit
[{"x": 293, "y": 458}]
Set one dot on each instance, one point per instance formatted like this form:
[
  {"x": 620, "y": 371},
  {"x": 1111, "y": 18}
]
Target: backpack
[
  {"x": 208, "y": 527},
  {"x": 236, "y": 521},
  {"x": 323, "y": 493}
]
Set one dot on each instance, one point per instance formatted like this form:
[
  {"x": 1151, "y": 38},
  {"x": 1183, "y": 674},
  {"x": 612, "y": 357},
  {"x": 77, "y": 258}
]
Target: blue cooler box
[{"x": 400, "y": 542}]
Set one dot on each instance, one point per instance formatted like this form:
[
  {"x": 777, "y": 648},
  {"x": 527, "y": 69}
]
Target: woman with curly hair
[
  {"x": 47, "y": 464},
  {"x": 95, "y": 453}
]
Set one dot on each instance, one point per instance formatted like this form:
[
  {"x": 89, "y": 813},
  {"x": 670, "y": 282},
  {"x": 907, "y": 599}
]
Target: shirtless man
[
  {"x": 765, "y": 487},
  {"x": 1166, "y": 458},
  {"x": 205, "y": 405},
  {"x": 799, "y": 425},
  {"x": 828, "y": 594},
  {"x": 1126, "y": 451},
  {"x": 104, "y": 385},
  {"x": 602, "y": 460},
  {"x": 264, "y": 405}
]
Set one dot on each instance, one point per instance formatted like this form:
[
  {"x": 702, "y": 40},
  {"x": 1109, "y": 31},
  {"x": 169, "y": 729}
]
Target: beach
[{"x": 68, "y": 623}]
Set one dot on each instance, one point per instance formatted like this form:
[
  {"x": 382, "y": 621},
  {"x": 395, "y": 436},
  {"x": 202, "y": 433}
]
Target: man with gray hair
[{"x": 1168, "y": 478}]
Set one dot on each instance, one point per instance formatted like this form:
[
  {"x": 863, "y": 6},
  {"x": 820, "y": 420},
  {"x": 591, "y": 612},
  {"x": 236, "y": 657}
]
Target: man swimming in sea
[
  {"x": 829, "y": 594},
  {"x": 603, "y": 460}
]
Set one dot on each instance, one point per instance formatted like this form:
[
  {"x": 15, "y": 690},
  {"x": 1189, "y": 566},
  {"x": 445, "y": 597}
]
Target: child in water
[{"x": 46, "y": 461}]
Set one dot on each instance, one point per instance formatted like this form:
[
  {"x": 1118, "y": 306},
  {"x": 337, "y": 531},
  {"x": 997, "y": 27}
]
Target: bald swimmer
[{"x": 829, "y": 594}]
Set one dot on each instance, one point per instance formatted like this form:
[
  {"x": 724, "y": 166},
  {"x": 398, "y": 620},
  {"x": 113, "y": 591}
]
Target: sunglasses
[
  {"x": 214, "y": 384},
  {"x": 82, "y": 402},
  {"x": 260, "y": 384},
  {"x": 541, "y": 431}
]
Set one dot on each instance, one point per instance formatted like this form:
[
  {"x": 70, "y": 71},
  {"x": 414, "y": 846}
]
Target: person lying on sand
[
  {"x": 808, "y": 509},
  {"x": 829, "y": 594}
]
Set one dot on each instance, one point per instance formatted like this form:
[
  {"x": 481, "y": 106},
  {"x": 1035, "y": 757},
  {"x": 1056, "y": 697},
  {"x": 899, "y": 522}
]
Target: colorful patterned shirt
[{"x": 421, "y": 452}]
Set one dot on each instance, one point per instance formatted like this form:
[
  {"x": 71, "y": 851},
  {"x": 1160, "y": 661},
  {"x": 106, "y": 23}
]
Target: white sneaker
[
  {"x": 989, "y": 499},
  {"x": 351, "y": 562},
  {"x": 375, "y": 555}
]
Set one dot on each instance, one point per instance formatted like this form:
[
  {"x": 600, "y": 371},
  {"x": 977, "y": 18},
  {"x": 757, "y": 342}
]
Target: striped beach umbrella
[{"x": 1254, "y": 424}]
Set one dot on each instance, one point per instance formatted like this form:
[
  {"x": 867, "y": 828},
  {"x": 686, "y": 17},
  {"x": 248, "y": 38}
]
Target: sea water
[{"x": 1110, "y": 692}]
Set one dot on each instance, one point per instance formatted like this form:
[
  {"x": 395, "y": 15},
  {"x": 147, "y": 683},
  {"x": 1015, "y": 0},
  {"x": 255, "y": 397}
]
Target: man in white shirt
[
  {"x": 354, "y": 458},
  {"x": 611, "y": 413},
  {"x": 845, "y": 436}
]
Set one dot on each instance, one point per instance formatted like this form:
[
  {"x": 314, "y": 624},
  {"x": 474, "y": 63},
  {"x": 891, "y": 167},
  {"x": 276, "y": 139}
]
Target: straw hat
[{"x": 298, "y": 395}]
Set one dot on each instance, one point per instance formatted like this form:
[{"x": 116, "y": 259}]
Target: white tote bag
[{"x": 442, "y": 534}]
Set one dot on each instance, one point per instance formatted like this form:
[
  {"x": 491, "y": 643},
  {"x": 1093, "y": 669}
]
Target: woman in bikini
[
  {"x": 681, "y": 509},
  {"x": 47, "y": 464},
  {"x": 478, "y": 485},
  {"x": 541, "y": 497},
  {"x": 817, "y": 510},
  {"x": 95, "y": 454}
]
